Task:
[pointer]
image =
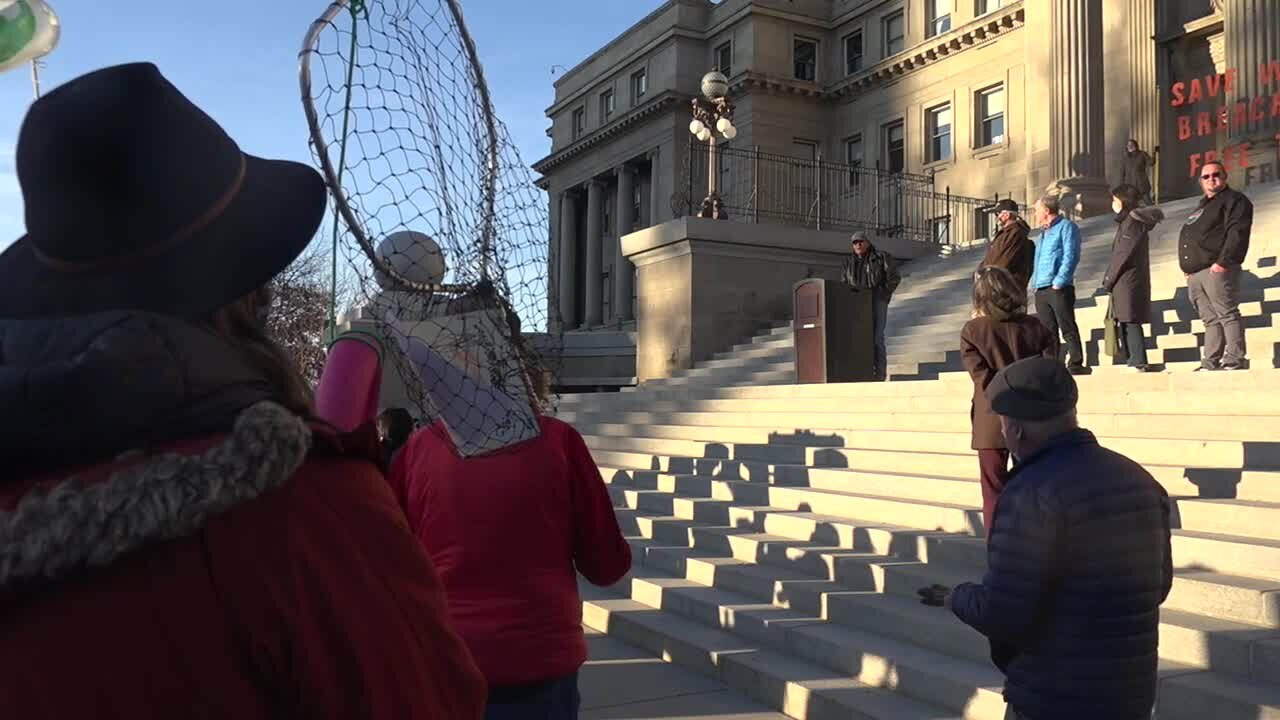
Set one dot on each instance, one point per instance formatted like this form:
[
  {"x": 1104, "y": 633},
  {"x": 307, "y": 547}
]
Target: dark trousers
[
  {"x": 1057, "y": 310},
  {"x": 879, "y": 317},
  {"x": 551, "y": 700},
  {"x": 1216, "y": 298},
  {"x": 1133, "y": 345},
  {"x": 993, "y": 472}
]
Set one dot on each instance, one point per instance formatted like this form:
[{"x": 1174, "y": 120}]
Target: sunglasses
[{"x": 1211, "y": 176}]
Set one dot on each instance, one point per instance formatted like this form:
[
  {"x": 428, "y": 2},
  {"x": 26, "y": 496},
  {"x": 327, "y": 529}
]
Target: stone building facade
[{"x": 990, "y": 97}]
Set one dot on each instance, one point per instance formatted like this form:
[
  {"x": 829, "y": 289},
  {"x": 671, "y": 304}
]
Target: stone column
[
  {"x": 594, "y": 269},
  {"x": 623, "y": 271},
  {"x": 655, "y": 194},
  {"x": 1078, "y": 126},
  {"x": 1252, "y": 43},
  {"x": 1144, "y": 113},
  {"x": 567, "y": 247}
]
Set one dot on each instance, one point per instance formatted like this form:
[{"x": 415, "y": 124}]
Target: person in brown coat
[
  {"x": 1128, "y": 277},
  {"x": 999, "y": 334},
  {"x": 1011, "y": 249}
]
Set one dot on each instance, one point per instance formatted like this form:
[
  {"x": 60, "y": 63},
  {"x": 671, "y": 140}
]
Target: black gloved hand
[{"x": 934, "y": 595}]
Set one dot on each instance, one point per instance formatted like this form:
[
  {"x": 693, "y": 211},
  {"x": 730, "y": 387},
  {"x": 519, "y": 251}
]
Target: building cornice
[
  {"x": 623, "y": 125},
  {"x": 974, "y": 34}
]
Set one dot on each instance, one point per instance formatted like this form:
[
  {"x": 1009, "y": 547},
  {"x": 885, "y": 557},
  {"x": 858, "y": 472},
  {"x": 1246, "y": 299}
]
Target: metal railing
[{"x": 763, "y": 187}]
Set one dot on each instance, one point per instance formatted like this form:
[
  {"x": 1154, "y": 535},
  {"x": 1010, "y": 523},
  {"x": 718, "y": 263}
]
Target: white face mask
[{"x": 1116, "y": 205}]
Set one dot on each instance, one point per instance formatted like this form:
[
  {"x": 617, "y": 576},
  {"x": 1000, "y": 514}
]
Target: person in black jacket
[
  {"x": 1078, "y": 561},
  {"x": 1211, "y": 249},
  {"x": 1128, "y": 277},
  {"x": 871, "y": 269}
]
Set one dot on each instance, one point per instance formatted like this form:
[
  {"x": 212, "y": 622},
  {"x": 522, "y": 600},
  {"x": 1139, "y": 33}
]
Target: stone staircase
[
  {"x": 932, "y": 304},
  {"x": 780, "y": 531}
]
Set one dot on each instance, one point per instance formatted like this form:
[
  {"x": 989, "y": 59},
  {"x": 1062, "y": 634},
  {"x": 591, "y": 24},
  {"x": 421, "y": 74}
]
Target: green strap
[{"x": 357, "y": 9}]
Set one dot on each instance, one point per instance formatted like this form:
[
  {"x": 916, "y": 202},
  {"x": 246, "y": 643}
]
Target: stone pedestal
[
  {"x": 704, "y": 285},
  {"x": 594, "y": 270},
  {"x": 1077, "y": 123},
  {"x": 623, "y": 270}
]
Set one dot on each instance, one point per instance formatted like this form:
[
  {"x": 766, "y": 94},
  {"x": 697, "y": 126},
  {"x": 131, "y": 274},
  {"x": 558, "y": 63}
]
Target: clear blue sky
[{"x": 238, "y": 61}]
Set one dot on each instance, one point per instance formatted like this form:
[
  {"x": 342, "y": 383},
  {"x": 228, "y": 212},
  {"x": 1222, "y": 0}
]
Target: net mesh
[{"x": 442, "y": 232}]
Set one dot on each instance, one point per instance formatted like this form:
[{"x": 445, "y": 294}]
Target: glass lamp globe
[
  {"x": 715, "y": 85},
  {"x": 730, "y": 133},
  {"x": 723, "y": 124},
  {"x": 705, "y": 135},
  {"x": 696, "y": 127}
]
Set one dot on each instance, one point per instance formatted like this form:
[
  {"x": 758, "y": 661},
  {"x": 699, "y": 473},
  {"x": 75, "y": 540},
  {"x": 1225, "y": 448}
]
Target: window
[
  {"x": 895, "y": 147},
  {"x": 940, "y": 231},
  {"x": 986, "y": 6},
  {"x": 939, "y": 17},
  {"x": 724, "y": 59},
  {"x": 639, "y": 85},
  {"x": 938, "y": 125},
  {"x": 635, "y": 203},
  {"x": 853, "y": 158},
  {"x": 853, "y": 53},
  {"x": 990, "y": 105},
  {"x": 985, "y": 223},
  {"x": 579, "y": 122},
  {"x": 607, "y": 106},
  {"x": 806, "y": 59},
  {"x": 895, "y": 33}
]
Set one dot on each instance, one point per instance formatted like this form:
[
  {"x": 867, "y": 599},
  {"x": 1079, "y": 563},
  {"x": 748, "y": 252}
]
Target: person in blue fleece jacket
[{"x": 1053, "y": 278}]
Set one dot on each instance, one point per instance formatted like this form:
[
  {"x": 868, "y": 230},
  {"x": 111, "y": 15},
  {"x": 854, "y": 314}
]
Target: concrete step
[
  {"x": 799, "y": 689},
  {"x": 968, "y": 689},
  {"x": 853, "y": 449},
  {"x": 823, "y": 428},
  {"x": 814, "y": 581}
]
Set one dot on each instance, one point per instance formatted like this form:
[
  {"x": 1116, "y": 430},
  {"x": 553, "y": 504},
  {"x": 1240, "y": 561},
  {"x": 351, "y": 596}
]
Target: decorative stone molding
[{"x": 617, "y": 128}]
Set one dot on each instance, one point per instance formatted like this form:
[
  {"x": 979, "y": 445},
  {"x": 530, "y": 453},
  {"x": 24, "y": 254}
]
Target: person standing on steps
[
  {"x": 509, "y": 531},
  {"x": 203, "y": 545},
  {"x": 1128, "y": 278},
  {"x": 1078, "y": 561},
  {"x": 999, "y": 334},
  {"x": 1011, "y": 248},
  {"x": 1211, "y": 250},
  {"x": 1136, "y": 170},
  {"x": 869, "y": 269},
  {"x": 1057, "y": 255}
]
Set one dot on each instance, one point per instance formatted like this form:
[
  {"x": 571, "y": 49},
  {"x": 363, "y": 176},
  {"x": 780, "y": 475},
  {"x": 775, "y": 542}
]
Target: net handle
[
  {"x": 491, "y": 129},
  {"x": 332, "y": 174}
]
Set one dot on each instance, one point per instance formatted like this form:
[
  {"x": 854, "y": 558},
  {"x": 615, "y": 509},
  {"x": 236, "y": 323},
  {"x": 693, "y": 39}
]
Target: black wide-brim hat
[{"x": 135, "y": 199}]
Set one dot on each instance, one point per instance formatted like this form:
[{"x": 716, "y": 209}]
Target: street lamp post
[{"x": 712, "y": 115}]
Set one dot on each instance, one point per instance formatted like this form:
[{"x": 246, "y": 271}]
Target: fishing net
[{"x": 439, "y": 229}]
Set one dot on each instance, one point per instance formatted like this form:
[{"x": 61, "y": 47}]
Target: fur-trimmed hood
[
  {"x": 1149, "y": 216},
  {"x": 82, "y": 395},
  {"x": 67, "y": 526}
]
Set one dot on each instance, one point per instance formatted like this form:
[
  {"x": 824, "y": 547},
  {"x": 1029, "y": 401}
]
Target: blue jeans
[
  {"x": 879, "y": 317},
  {"x": 550, "y": 700}
]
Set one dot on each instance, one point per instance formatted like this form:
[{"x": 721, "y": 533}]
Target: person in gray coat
[{"x": 1128, "y": 277}]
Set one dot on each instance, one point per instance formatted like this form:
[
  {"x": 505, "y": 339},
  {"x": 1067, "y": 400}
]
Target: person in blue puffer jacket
[{"x": 1057, "y": 255}]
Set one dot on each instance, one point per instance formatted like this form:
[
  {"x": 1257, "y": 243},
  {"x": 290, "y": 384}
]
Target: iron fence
[{"x": 763, "y": 187}]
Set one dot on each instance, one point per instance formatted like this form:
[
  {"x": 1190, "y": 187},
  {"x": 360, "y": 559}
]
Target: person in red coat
[
  {"x": 508, "y": 532},
  {"x": 178, "y": 537},
  {"x": 999, "y": 334}
]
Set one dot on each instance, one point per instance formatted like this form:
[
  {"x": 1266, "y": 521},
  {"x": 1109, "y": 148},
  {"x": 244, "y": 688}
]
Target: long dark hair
[
  {"x": 243, "y": 323},
  {"x": 1128, "y": 195},
  {"x": 996, "y": 294}
]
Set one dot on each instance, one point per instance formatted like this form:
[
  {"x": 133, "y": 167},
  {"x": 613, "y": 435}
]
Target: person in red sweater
[{"x": 506, "y": 531}]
